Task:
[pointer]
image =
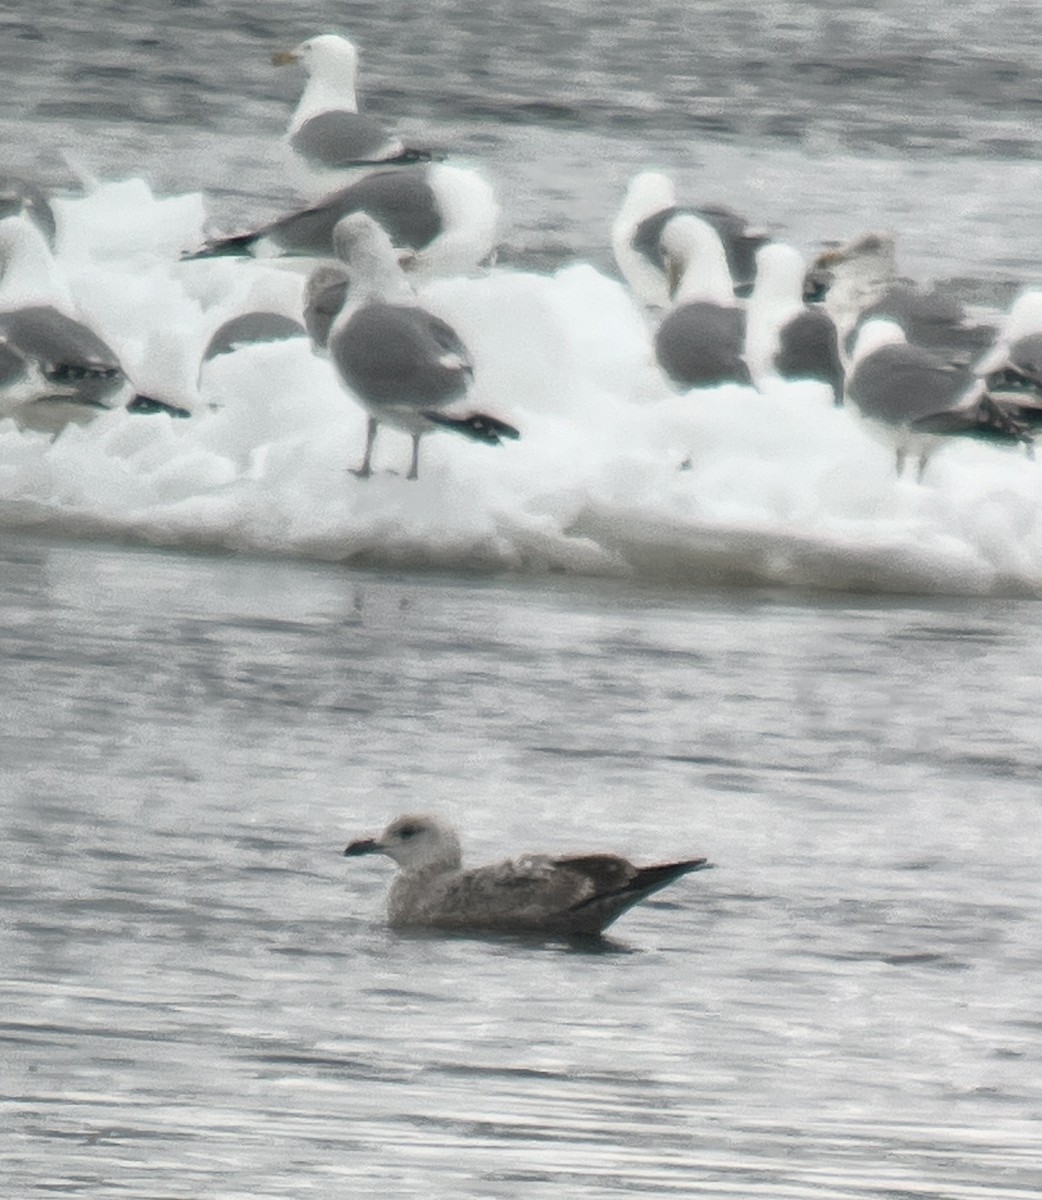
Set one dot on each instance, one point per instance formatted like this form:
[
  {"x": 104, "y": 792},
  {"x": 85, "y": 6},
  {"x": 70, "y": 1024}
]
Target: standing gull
[
  {"x": 327, "y": 132},
  {"x": 575, "y": 894},
  {"x": 404, "y": 364},
  {"x": 786, "y": 338},
  {"x": 912, "y": 398},
  {"x": 700, "y": 340}
]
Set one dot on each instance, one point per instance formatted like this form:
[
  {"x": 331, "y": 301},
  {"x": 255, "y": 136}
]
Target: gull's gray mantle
[{"x": 574, "y": 894}]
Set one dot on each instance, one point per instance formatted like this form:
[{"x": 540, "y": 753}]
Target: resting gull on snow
[
  {"x": 1012, "y": 367},
  {"x": 326, "y": 131},
  {"x": 69, "y": 374},
  {"x": 786, "y": 338},
  {"x": 578, "y": 894},
  {"x": 441, "y": 219},
  {"x": 636, "y": 236},
  {"x": 81, "y": 374},
  {"x": 269, "y": 307},
  {"x": 700, "y": 340},
  {"x": 405, "y": 365},
  {"x": 912, "y": 398}
]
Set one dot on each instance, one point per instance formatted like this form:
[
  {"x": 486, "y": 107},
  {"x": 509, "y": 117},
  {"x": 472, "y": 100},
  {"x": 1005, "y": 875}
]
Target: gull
[
  {"x": 648, "y": 207},
  {"x": 57, "y": 371},
  {"x": 27, "y": 198},
  {"x": 441, "y": 219},
  {"x": 573, "y": 894},
  {"x": 69, "y": 374},
  {"x": 1012, "y": 367},
  {"x": 786, "y": 338},
  {"x": 858, "y": 281},
  {"x": 405, "y": 365},
  {"x": 325, "y": 294},
  {"x": 912, "y": 398},
  {"x": 327, "y": 132},
  {"x": 700, "y": 340}
]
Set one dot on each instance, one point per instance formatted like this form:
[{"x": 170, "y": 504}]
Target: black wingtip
[
  {"x": 149, "y": 406},
  {"x": 238, "y": 245},
  {"x": 478, "y": 426}
]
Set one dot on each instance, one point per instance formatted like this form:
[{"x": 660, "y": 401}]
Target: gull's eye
[{"x": 408, "y": 831}]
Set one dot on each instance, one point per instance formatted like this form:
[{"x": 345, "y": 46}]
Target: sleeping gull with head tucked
[
  {"x": 700, "y": 340},
  {"x": 574, "y": 894},
  {"x": 648, "y": 208},
  {"x": 786, "y": 338}
]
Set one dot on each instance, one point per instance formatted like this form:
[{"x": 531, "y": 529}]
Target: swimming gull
[
  {"x": 700, "y": 340},
  {"x": 785, "y": 337},
  {"x": 578, "y": 894},
  {"x": 404, "y": 364},
  {"x": 441, "y": 219},
  {"x": 327, "y": 132},
  {"x": 912, "y": 398},
  {"x": 858, "y": 281},
  {"x": 647, "y": 208}
]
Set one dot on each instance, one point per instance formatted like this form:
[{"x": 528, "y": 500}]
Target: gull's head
[
  {"x": 328, "y": 56},
  {"x": 694, "y": 261},
  {"x": 873, "y": 336},
  {"x": 359, "y": 240},
  {"x": 648, "y": 192},
  {"x": 415, "y": 842},
  {"x": 779, "y": 272},
  {"x": 872, "y": 257},
  {"x": 365, "y": 249}
]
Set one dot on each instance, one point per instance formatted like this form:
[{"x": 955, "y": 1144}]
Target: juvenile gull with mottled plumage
[{"x": 572, "y": 894}]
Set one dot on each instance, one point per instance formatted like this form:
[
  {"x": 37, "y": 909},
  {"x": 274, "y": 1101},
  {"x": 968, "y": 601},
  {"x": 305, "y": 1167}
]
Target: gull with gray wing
[
  {"x": 579, "y": 894},
  {"x": 913, "y": 398},
  {"x": 327, "y": 132},
  {"x": 405, "y": 365}
]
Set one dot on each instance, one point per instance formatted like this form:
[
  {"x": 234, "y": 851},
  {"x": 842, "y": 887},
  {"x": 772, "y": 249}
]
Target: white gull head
[
  {"x": 415, "y": 842},
  {"x": 331, "y": 62}
]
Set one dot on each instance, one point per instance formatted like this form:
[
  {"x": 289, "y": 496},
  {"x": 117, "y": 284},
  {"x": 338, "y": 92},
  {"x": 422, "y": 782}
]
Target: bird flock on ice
[{"x": 724, "y": 302}]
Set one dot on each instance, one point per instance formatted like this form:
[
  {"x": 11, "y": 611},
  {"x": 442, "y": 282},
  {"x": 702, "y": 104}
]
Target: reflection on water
[{"x": 200, "y": 997}]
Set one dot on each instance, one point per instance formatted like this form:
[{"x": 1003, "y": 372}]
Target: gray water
[
  {"x": 818, "y": 119},
  {"x": 198, "y": 996}
]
